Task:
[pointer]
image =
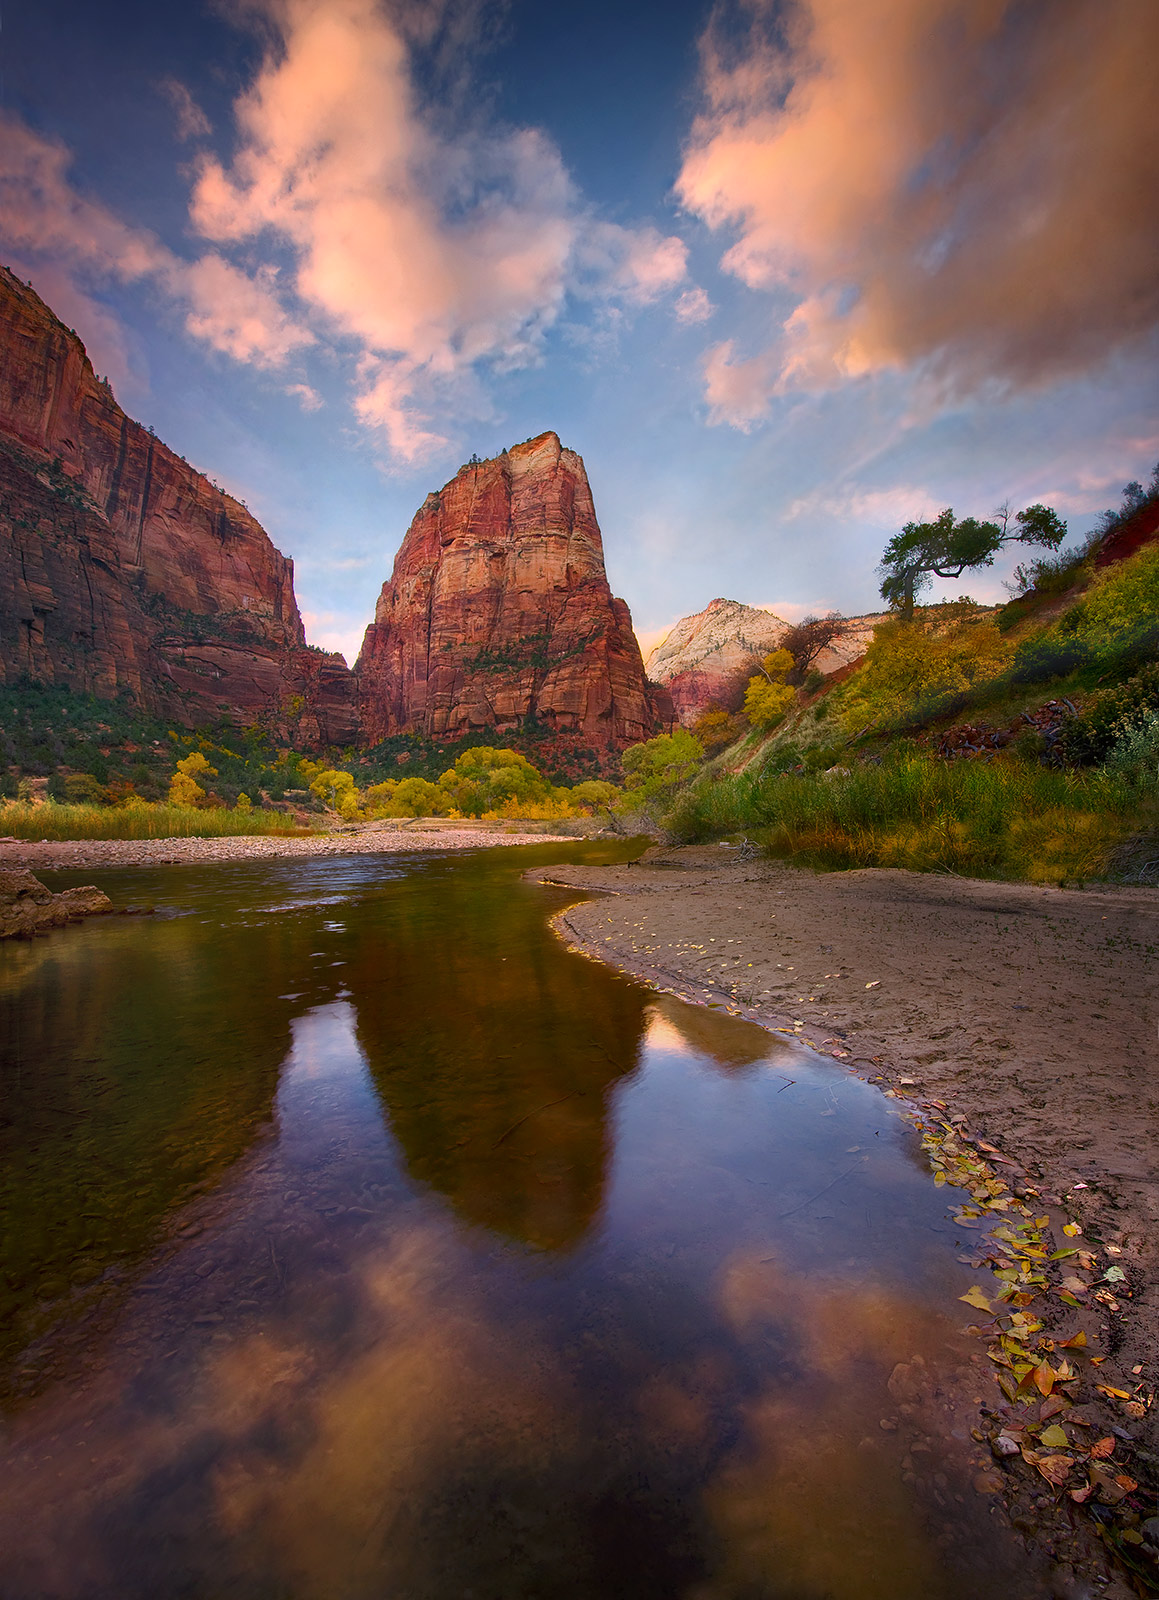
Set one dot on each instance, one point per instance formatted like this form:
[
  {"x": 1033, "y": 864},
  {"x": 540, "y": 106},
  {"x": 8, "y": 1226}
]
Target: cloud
[
  {"x": 71, "y": 241},
  {"x": 693, "y": 306},
  {"x": 879, "y": 508},
  {"x": 962, "y": 188},
  {"x": 309, "y": 399},
  {"x": 192, "y": 123},
  {"x": 738, "y": 392},
  {"x": 435, "y": 251}
]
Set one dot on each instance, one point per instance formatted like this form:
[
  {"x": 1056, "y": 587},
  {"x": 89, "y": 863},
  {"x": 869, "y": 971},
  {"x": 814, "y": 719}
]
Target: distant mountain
[
  {"x": 499, "y": 611},
  {"x": 122, "y": 569},
  {"x": 700, "y": 659}
]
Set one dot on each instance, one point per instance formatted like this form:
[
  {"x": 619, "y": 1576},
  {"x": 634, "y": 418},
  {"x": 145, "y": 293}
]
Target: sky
[{"x": 786, "y": 273}]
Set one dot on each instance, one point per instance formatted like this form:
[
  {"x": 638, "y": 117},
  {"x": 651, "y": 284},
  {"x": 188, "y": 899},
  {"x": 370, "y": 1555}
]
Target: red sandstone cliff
[
  {"x": 123, "y": 568},
  {"x": 499, "y": 609}
]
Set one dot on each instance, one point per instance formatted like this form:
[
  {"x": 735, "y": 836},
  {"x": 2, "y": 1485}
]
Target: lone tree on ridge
[{"x": 949, "y": 548}]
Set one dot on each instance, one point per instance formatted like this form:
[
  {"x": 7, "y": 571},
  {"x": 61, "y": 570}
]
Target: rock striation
[
  {"x": 701, "y": 658},
  {"x": 122, "y": 568},
  {"x": 499, "y": 611},
  {"x": 28, "y": 908}
]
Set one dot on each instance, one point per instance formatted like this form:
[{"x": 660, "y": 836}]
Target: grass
[
  {"x": 1002, "y": 818},
  {"x": 23, "y": 821}
]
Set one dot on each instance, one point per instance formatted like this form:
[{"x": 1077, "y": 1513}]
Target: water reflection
[{"x": 522, "y": 1284}]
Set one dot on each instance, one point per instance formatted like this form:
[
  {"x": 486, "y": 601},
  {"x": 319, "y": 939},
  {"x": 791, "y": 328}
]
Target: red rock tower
[{"x": 499, "y": 609}]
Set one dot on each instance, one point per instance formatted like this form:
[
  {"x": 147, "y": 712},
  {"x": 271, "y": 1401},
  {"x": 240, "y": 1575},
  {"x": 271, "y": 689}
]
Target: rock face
[
  {"x": 123, "y": 568},
  {"x": 499, "y": 610},
  {"x": 700, "y": 659},
  {"x": 28, "y": 908}
]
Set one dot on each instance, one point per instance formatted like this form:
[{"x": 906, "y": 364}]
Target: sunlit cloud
[
  {"x": 74, "y": 241},
  {"x": 930, "y": 185},
  {"x": 693, "y": 306},
  {"x": 435, "y": 252}
]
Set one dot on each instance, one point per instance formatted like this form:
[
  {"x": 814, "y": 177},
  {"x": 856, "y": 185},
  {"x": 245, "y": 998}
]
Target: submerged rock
[{"x": 27, "y": 907}]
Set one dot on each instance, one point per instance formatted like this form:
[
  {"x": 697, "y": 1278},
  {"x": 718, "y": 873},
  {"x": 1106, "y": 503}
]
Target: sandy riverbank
[
  {"x": 366, "y": 838},
  {"x": 1031, "y": 1011}
]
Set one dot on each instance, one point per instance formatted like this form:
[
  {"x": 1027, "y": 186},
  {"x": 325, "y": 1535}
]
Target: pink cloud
[
  {"x": 693, "y": 306},
  {"x": 738, "y": 392},
  {"x": 964, "y": 187},
  {"x": 435, "y": 252},
  {"x": 72, "y": 241}
]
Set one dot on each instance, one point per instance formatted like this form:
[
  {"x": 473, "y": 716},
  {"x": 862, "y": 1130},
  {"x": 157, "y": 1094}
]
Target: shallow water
[{"x": 359, "y": 1240}]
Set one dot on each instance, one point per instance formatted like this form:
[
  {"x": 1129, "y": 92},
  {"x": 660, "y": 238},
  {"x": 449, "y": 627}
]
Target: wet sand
[{"x": 1030, "y": 1011}]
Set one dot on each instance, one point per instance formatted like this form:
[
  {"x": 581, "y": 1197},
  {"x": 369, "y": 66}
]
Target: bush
[
  {"x": 1090, "y": 737},
  {"x": 656, "y": 769},
  {"x": 912, "y": 668},
  {"x": 1115, "y": 625},
  {"x": 1003, "y": 819},
  {"x": 1135, "y": 753}
]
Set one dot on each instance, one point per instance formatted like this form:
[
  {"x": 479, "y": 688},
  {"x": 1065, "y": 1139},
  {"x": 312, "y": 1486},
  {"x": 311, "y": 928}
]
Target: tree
[
  {"x": 768, "y": 696},
  {"x": 805, "y": 642},
  {"x": 184, "y": 789},
  {"x": 948, "y": 548}
]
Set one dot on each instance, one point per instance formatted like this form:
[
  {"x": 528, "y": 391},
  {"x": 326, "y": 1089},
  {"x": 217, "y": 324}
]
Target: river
[{"x": 360, "y": 1240}]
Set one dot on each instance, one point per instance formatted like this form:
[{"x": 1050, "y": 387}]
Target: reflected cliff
[
  {"x": 498, "y": 1094},
  {"x": 139, "y": 1057}
]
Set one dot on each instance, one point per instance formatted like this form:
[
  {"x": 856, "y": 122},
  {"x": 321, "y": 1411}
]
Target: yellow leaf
[
  {"x": 1077, "y": 1342},
  {"x": 976, "y": 1297},
  {"x": 1071, "y": 1229},
  {"x": 1054, "y": 1437},
  {"x": 1044, "y": 1377},
  {"x": 1111, "y": 1392}
]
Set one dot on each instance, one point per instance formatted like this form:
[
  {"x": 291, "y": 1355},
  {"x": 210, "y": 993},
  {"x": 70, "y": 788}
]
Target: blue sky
[{"x": 786, "y": 275}]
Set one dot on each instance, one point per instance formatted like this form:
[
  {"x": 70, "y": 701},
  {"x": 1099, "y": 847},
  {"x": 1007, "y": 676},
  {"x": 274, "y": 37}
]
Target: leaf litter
[{"x": 1045, "y": 1380}]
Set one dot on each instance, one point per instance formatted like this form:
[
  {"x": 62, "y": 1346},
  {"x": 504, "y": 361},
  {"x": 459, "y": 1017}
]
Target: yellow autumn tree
[
  {"x": 768, "y": 696},
  {"x": 184, "y": 789}
]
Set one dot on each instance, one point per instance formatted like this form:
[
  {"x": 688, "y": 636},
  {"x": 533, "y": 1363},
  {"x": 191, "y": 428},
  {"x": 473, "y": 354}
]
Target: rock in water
[
  {"x": 124, "y": 569},
  {"x": 28, "y": 908},
  {"x": 499, "y": 610}
]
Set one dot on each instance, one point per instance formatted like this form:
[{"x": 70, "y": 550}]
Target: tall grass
[
  {"x": 988, "y": 819},
  {"x": 22, "y": 821}
]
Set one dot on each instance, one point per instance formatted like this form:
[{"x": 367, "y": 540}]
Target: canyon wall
[
  {"x": 499, "y": 610},
  {"x": 122, "y": 568}
]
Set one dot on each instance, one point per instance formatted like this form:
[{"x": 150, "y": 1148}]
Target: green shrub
[
  {"x": 912, "y": 668},
  {"x": 655, "y": 770},
  {"x": 1090, "y": 737}
]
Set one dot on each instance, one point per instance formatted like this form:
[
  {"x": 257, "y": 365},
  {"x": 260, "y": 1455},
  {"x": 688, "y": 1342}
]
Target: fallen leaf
[
  {"x": 1076, "y": 1342},
  {"x": 1055, "y": 1469},
  {"x": 1071, "y": 1229},
  {"x": 1083, "y": 1494},
  {"x": 875, "y": 984},
  {"x": 1103, "y": 1449},
  {"x": 1114, "y": 1275},
  {"x": 1111, "y": 1392},
  {"x": 1054, "y": 1437},
  {"x": 1044, "y": 1376},
  {"x": 977, "y": 1297},
  {"x": 1126, "y": 1484}
]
